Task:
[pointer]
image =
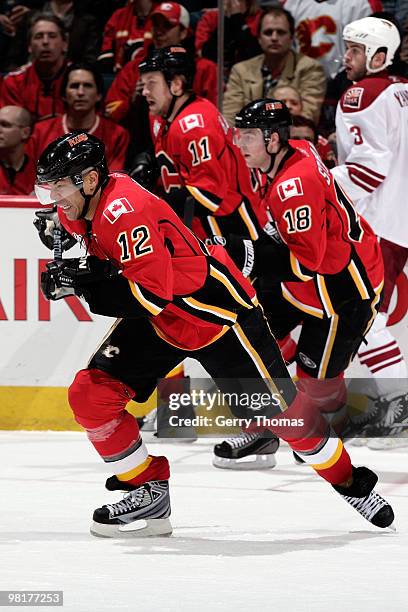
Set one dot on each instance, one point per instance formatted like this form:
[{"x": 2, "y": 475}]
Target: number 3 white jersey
[{"x": 372, "y": 141}]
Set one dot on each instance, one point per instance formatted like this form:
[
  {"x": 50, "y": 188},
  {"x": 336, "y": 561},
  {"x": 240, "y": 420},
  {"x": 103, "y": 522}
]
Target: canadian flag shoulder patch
[
  {"x": 290, "y": 188},
  {"x": 189, "y": 122},
  {"x": 116, "y": 208}
]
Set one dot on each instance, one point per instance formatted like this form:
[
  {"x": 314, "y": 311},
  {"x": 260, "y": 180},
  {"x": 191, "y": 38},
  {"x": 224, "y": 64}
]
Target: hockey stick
[{"x": 188, "y": 211}]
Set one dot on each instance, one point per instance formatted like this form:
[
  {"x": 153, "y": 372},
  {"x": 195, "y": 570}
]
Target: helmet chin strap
[
  {"x": 171, "y": 107},
  {"x": 87, "y": 198},
  {"x": 272, "y": 156},
  {"x": 174, "y": 99}
]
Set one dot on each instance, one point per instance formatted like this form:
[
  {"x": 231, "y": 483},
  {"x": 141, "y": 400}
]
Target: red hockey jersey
[
  {"x": 114, "y": 137},
  {"x": 192, "y": 294},
  {"x": 332, "y": 249},
  {"x": 196, "y": 151}
]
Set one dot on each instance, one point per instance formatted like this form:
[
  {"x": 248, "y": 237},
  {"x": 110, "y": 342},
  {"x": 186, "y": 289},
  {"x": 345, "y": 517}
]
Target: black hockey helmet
[
  {"x": 267, "y": 114},
  {"x": 69, "y": 156},
  {"x": 170, "y": 61}
]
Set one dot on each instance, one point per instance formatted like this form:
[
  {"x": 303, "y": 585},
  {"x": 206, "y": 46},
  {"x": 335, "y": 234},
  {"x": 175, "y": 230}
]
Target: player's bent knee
[{"x": 96, "y": 396}]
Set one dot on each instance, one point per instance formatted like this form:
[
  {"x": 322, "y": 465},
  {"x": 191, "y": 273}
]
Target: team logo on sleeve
[
  {"x": 191, "y": 121},
  {"x": 116, "y": 208},
  {"x": 352, "y": 97},
  {"x": 290, "y": 188}
]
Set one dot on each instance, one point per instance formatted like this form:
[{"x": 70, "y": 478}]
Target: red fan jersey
[
  {"x": 123, "y": 37},
  {"x": 114, "y": 137},
  {"x": 196, "y": 151},
  {"x": 23, "y": 87},
  {"x": 208, "y": 22},
  {"x": 192, "y": 294},
  {"x": 20, "y": 182},
  {"x": 332, "y": 249}
]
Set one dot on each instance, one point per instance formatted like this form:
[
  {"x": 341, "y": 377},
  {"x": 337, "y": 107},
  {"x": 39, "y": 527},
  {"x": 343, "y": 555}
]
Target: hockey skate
[
  {"x": 363, "y": 498},
  {"x": 143, "y": 512},
  {"x": 248, "y": 451}
]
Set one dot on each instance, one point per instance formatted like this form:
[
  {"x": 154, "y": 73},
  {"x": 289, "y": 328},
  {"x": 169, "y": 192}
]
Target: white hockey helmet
[{"x": 374, "y": 33}]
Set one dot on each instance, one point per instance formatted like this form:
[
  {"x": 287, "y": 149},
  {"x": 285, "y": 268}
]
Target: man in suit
[{"x": 278, "y": 65}]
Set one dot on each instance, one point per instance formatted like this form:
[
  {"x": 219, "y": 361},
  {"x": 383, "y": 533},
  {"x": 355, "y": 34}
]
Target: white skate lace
[
  {"x": 241, "y": 440},
  {"x": 367, "y": 506},
  {"x": 130, "y": 501}
]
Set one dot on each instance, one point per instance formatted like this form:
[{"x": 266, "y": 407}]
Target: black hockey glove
[
  {"x": 144, "y": 170},
  {"x": 240, "y": 249},
  {"x": 45, "y": 222},
  {"x": 72, "y": 276}
]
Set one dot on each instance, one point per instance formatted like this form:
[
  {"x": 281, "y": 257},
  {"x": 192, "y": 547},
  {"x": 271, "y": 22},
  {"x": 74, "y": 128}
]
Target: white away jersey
[
  {"x": 372, "y": 142},
  {"x": 319, "y": 27}
]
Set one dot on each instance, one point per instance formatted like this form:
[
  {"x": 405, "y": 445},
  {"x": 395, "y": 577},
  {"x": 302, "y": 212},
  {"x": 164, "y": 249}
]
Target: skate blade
[
  {"x": 252, "y": 462},
  {"x": 392, "y": 528},
  {"x": 138, "y": 529}
]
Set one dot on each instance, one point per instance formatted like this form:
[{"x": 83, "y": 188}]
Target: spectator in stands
[
  {"x": 82, "y": 92},
  {"x": 36, "y": 86},
  {"x": 291, "y": 97},
  {"x": 17, "y": 168},
  {"x": 13, "y": 31},
  {"x": 83, "y": 40},
  {"x": 240, "y": 32},
  {"x": 170, "y": 23},
  {"x": 124, "y": 35},
  {"x": 278, "y": 65}
]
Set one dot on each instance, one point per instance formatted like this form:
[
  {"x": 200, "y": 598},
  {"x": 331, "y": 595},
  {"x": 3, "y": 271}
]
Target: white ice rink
[{"x": 252, "y": 541}]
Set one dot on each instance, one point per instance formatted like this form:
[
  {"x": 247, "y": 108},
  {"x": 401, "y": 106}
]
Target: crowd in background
[{"x": 68, "y": 65}]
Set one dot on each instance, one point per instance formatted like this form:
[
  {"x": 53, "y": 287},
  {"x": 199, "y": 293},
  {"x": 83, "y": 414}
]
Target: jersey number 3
[
  {"x": 355, "y": 130},
  {"x": 138, "y": 243}
]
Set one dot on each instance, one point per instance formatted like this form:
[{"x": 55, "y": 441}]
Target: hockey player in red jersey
[
  {"x": 176, "y": 297},
  {"x": 194, "y": 149},
  {"x": 325, "y": 255},
  {"x": 372, "y": 141}
]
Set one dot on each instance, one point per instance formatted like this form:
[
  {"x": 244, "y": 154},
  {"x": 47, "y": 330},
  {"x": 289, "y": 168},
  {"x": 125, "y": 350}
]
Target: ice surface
[{"x": 255, "y": 541}]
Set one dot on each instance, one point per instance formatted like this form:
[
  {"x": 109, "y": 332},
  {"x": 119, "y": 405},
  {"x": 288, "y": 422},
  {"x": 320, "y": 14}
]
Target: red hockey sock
[
  {"x": 154, "y": 468},
  {"x": 310, "y": 436},
  {"x": 98, "y": 401},
  {"x": 329, "y": 396}
]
